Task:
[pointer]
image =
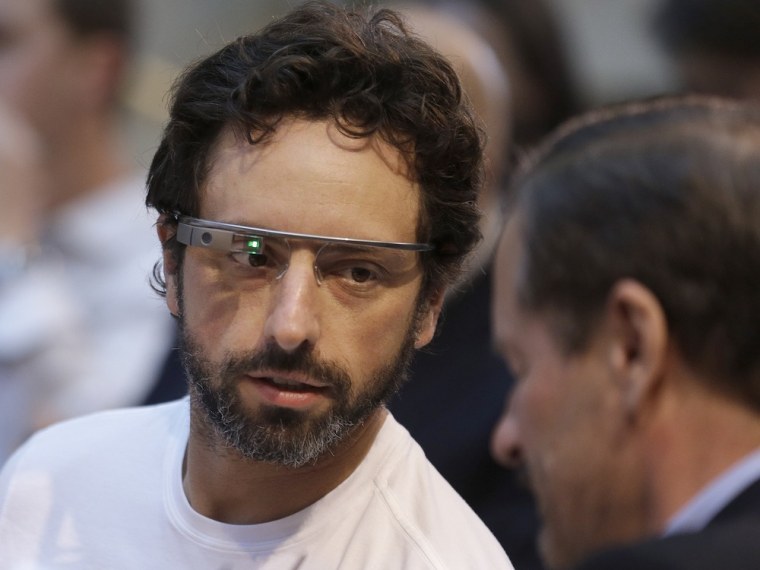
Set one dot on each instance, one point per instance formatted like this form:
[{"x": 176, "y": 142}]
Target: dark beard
[{"x": 284, "y": 436}]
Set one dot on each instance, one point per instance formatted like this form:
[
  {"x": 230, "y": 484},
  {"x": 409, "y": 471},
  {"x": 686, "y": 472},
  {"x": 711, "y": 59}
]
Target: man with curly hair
[{"x": 316, "y": 187}]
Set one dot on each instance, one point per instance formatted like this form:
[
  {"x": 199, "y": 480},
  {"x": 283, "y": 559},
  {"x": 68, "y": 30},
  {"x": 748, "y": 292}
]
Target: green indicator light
[{"x": 254, "y": 245}]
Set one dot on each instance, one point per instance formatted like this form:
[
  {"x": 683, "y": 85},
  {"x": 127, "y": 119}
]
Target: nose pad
[
  {"x": 278, "y": 251},
  {"x": 282, "y": 270},
  {"x": 318, "y": 275}
]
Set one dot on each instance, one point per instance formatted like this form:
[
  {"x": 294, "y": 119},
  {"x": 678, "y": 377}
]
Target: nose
[
  {"x": 505, "y": 442},
  {"x": 293, "y": 318}
]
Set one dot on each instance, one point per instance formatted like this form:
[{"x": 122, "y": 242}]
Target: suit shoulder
[{"x": 729, "y": 546}]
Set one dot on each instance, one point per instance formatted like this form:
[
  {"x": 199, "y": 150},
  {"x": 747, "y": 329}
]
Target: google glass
[{"x": 267, "y": 252}]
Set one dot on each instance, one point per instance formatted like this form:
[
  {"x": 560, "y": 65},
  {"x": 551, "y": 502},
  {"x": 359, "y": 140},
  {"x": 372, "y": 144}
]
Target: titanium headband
[{"x": 218, "y": 235}]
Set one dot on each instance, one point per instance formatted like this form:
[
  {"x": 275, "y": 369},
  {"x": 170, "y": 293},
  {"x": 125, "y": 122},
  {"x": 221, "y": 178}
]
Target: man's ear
[
  {"x": 638, "y": 341},
  {"x": 167, "y": 231},
  {"x": 428, "y": 320}
]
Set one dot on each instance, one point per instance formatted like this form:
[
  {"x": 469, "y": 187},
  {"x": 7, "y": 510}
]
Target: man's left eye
[{"x": 362, "y": 274}]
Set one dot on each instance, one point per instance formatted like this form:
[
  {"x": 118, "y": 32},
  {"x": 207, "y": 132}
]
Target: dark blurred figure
[
  {"x": 715, "y": 44},
  {"x": 528, "y": 40},
  {"x": 543, "y": 88}
]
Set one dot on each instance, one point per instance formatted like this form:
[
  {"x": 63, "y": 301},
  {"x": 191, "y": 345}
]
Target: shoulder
[
  {"x": 729, "y": 546},
  {"x": 63, "y": 490},
  {"x": 89, "y": 441},
  {"x": 424, "y": 509}
]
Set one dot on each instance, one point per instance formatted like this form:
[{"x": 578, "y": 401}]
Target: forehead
[
  {"x": 518, "y": 331},
  {"x": 310, "y": 178},
  {"x": 506, "y": 310},
  {"x": 514, "y": 320}
]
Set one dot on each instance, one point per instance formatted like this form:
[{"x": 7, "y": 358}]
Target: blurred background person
[
  {"x": 80, "y": 329},
  {"x": 714, "y": 44},
  {"x": 533, "y": 47}
]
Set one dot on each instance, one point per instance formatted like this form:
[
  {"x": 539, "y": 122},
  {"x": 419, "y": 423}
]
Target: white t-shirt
[{"x": 105, "y": 492}]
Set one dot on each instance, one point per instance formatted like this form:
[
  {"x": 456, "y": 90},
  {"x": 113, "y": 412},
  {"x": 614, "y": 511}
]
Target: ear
[
  {"x": 638, "y": 334},
  {"x": 166, "y": 231},
  {"x": 428, "y": 321}
]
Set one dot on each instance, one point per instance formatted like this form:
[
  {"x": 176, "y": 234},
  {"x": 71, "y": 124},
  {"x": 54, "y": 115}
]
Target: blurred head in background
[
  {"x": 457, "y": 31},
  {"x": 62, "y": 66},
  {"x": 715, "y": 44},
  {"x": 533, "y": 51}
]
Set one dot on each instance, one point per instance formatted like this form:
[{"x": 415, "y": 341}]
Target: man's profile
[{"x": 626, "y": 304}]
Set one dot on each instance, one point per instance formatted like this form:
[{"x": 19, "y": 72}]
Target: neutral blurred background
[{"x": 611, "y": 49}]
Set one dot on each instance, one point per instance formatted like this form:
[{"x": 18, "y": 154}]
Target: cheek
[
  {"x": 361, "y": 337},
  {"x": 534, "y": 405},
  {"x": 24, "y": 65},
  {"x": 572, "y": 435},
  {"x": 574, "y": 460},
  {"x": 220, "y": 317},
  {"x": 551, "y": 430},
  {"x": 365, "y": 338},
  {"x": 16, "y": 74}
]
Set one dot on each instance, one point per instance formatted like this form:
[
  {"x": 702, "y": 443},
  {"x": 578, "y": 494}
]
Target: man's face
[
  {"x": 565, "y": 425},
  {"x": 37, "y": 55},
  {"x": 283, "y": 373}
]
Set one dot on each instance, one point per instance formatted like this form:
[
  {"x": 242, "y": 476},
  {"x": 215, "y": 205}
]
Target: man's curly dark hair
[{"x": 362, "y": 70}]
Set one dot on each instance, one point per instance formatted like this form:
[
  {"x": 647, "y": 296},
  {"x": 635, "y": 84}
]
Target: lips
[
  {"x": 289, "y": 381},
  {"x": 289, "y": 384},
  {"x": 287, "y": 390}
]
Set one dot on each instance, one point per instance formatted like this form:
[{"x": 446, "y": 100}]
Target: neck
[
  {"x": 262, "y": 492},
  {"x": 86, "y": 158},
  {"x": 703, "y": 435}
]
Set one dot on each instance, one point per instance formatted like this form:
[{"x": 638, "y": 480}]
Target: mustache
[{"x": 273, "y": 357}]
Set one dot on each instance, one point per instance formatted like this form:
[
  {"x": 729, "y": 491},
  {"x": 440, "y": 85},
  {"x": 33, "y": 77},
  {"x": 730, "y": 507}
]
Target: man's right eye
[{"x": 257, "y": 260}]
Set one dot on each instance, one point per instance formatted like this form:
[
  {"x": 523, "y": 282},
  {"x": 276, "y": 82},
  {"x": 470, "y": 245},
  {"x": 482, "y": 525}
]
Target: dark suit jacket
[{"x": 731, "y": 541}]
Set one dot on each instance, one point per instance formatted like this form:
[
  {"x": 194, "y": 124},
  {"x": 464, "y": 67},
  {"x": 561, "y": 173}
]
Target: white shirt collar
[{"x": 706, "y": 504}]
